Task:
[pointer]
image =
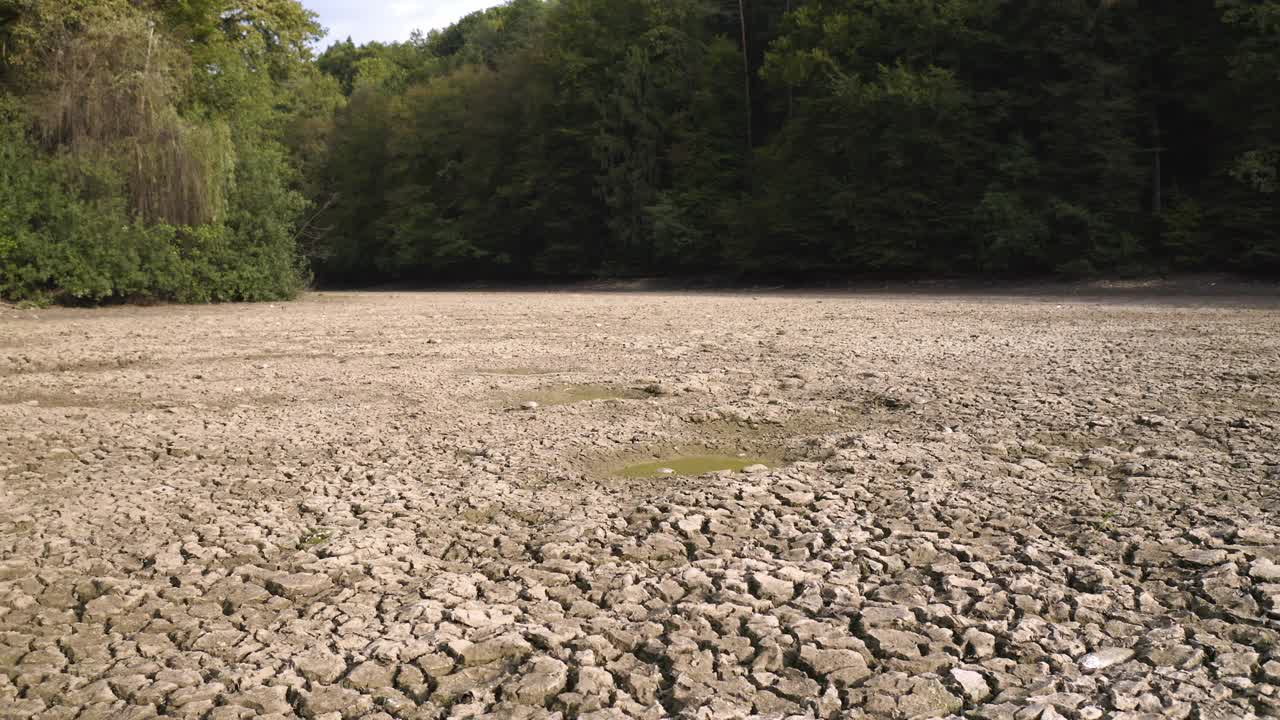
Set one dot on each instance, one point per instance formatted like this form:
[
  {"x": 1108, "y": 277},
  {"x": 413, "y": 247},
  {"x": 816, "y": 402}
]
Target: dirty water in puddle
[
  {"x": 690, "y": 465},
  {"x": 518, "y": 371},
  {"x": 571, "y": 394}
]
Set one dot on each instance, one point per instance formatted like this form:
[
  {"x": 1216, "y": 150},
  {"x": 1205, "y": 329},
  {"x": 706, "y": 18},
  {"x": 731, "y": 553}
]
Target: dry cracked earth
[{"x": 995, "y": 508}]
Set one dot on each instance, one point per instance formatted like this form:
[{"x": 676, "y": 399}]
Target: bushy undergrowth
[{"x": 66, "y": 234}]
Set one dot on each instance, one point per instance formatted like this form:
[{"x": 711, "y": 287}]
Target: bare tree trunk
[
  {"x": 746, "y": 72},
  {"x": 791, "y": 89},
  {"x": 1157, "y": 199}
]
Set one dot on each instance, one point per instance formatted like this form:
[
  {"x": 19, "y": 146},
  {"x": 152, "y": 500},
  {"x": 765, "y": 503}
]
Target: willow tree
[
  {"x": 113, "y": 90},
  {"x": 161, "y": 129}
]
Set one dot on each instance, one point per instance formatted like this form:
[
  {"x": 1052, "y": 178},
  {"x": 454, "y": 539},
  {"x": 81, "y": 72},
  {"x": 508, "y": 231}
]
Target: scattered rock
[
  {"x": 298, "y": 586},
  {"x": 972, "y": 685},
  {"x": 1264, "y": 570},
  {"x": 773, "y": 589},
  {"x": 320, "y": 666},
  {"x": 545, "y": 678},
  {"x": 1105, "y": 658}
]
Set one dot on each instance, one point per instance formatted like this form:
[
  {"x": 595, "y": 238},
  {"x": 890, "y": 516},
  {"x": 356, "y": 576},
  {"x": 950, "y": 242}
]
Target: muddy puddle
[
  {"x": 518, "y": 371},
  {"x": 572, "y": 394},
  {"x": 691, "y": 465}
]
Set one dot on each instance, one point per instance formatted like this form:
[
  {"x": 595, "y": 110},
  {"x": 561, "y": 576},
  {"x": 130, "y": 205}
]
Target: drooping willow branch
[{"x": 110, "y": 94}]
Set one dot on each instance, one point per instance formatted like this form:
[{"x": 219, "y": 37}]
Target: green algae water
[{"x": 689, "y": 465}]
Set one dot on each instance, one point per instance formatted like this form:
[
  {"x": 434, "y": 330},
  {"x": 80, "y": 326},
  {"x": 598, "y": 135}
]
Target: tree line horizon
[{"x": 204, "y": 151}]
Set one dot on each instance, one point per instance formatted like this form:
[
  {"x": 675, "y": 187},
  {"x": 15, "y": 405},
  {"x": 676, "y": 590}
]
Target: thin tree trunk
[
  {"x": 1157, "y": 199},
  {"x": 791, "y": 89},
  {"x": 746, "y": 73}
]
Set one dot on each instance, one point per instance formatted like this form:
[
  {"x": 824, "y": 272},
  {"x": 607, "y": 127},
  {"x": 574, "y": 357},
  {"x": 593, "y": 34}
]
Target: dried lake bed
[{"x": 428, "y": 505}]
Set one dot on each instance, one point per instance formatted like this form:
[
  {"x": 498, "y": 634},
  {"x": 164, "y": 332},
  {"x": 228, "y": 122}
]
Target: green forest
[{"x": 211, "y": 150}]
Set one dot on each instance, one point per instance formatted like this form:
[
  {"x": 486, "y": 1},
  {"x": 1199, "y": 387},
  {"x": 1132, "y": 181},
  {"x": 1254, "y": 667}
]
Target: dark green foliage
[
  {"x": 623, "y": 137},
  {"x": 609, "y": 137},
  {"x": 152, "y": 150},
  {"x": 66, "y": 232}
]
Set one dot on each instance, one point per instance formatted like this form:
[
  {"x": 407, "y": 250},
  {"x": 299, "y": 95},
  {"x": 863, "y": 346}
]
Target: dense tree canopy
[
  {"x": 197, "y": 150},
  {"x": 975, "y": 136}
]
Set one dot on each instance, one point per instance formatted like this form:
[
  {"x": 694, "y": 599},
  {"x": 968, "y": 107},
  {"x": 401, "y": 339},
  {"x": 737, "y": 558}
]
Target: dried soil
[{"x": 989, "y": 508}]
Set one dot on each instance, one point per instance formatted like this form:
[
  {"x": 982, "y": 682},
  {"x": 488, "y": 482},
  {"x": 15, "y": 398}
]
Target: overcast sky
[{"x": 388, "y": 20}]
